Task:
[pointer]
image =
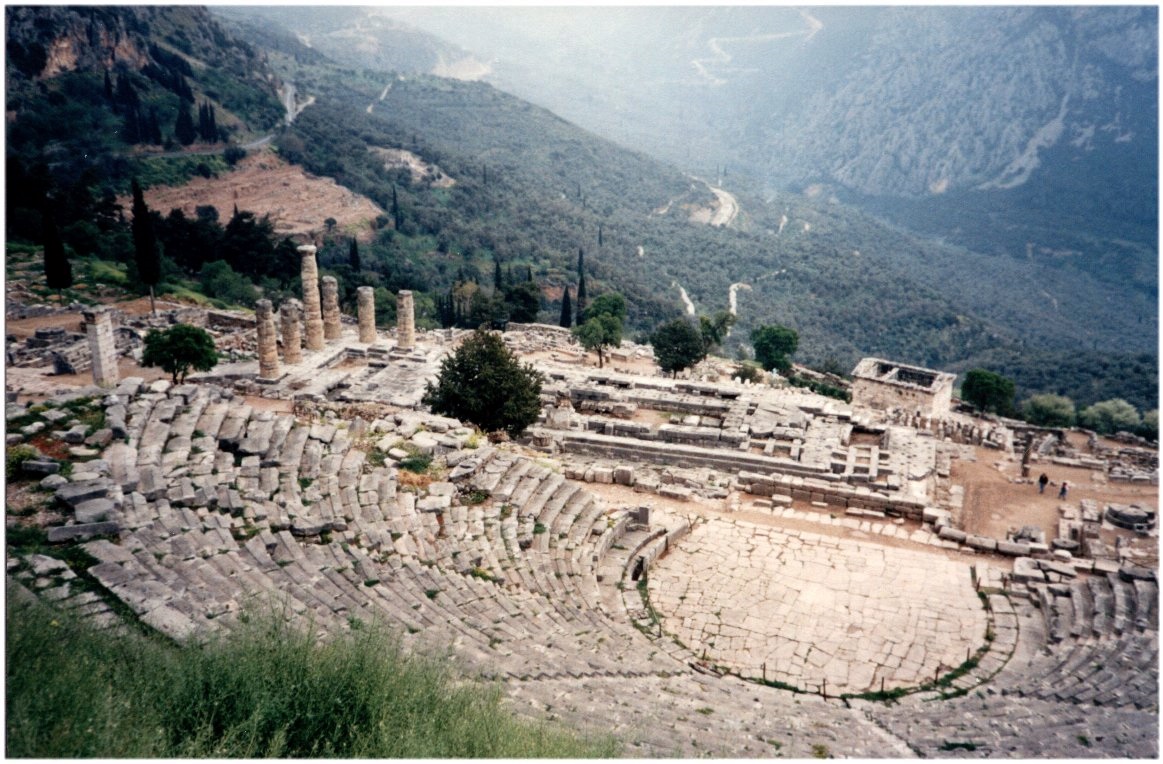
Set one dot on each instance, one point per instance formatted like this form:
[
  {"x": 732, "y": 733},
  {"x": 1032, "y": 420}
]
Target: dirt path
[{"x": 728, "y": 208}]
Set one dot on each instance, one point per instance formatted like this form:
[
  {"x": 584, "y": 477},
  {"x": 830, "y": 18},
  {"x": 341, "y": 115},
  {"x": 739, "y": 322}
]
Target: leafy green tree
[
  {"x": 1049, "y": 410},
  {"x": 988, "y": 391},
  {"x": 524, "y": 300},
  {"x": 58, "y": 272},
  {"x": 714, "y": 329},
  {"x": 1110, "y": 416},
  {"x": 599, "y": 333},
  {"x": 487, "y": 310},
  {"x": 608, "y": 304},
  {"x": 219, "y": 281},
  {"x": 566, "y": 320},
  {"x": 774, "y": 345},
  {"x": 145, "y": 249},
  {"x": 677, "y": 345},
  {"x": 178, "y": 350},
  {"x": 484, "y": 383}
]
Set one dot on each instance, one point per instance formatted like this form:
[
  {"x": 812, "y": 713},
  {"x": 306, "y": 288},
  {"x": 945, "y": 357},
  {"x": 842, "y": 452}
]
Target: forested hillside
[{"x": 510, "y": 196}]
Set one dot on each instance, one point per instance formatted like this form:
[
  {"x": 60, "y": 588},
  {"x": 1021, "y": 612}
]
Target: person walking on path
[
  {"x": 1062, "y": 490},
  {"x": 1043, "y": 479}
]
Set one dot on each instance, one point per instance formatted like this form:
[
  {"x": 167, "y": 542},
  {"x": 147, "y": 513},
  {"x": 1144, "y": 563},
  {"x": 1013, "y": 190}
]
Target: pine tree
[
  {"x": 581, "y": 281},
  {"x": 145, "y": 245},
  {"x": 566, "y": 320}
]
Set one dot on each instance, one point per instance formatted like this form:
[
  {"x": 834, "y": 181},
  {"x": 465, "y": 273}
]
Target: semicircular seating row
[{"x": 223, "y": 506}]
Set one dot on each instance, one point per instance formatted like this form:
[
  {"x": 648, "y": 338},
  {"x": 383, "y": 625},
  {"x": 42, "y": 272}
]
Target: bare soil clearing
[
  {"x": 263, "y": 183},
  {"x": 994, "y": 504}
]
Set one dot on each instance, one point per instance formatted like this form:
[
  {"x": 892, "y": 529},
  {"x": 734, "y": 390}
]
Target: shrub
[
  {"x": 748, "y": 372},
  {"x": 1109, "y": 416},
  {"x": 14, "y": 459},
  {"x": 1049, "y": 410}
]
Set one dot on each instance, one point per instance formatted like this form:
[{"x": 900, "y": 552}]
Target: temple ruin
[{"x": 881, "y": 384}]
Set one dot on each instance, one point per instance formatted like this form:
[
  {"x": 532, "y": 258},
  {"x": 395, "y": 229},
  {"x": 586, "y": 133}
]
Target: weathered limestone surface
[
  {"x": 405, "y": 320},
  {"x": 102, "y": 346},
  {"x": 367, "y": 314},
  {"x": 311, "y": 302},
  {"x": 268, "y": 348},
  {"x": 290, "y": 313},
  {"x": 332, "y": 327}
]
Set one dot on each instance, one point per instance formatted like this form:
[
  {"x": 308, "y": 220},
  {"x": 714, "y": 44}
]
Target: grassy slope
[{"x": 268, "y": 691}]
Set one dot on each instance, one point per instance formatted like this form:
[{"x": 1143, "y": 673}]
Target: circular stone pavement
[{"x": 816, "y": 608}]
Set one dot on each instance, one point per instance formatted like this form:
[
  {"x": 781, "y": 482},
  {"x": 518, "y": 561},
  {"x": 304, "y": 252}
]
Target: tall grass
[{"x": 266, "y": 690}]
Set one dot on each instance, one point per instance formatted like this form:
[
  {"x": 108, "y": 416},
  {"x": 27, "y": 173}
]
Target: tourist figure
[
  {"x": 1043, "y": 479},
  {"x": 1062, "y": 491}
]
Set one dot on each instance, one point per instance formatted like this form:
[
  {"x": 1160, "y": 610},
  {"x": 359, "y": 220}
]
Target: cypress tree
[
  {"x": 184, "y": 129},
  {"x": 58, "y": 272},
  {"x": 498, "y": 282},
  {"x": 353, "y": 256},
  {"x": 581, "y": 281},
  {"x": 566, "y": 320},
  {"x": 145, "y": 245}
]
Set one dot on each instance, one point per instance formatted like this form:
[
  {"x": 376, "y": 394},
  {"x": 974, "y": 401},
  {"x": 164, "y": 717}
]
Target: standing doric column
[
  {"x": 331, "y": 325},
  {"x": 310, "y": 276},
  {"x": 102, "y": 346},
  {"x": 367, "y": 314},
  {"x": 290, "y": 312},
  {"x": 405, "y": 320},
  {"x": 268, "y": 344}
]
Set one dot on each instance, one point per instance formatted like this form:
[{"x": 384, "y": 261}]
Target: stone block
[
  {"x": 603, "y": 475},
  {"x": 983, "y": 543},
  {"x": 40, "y": 467},
  {"x": 75, "y": 493},
  {"x": 624, "y": 475},
  {"x": 62, "y": 533},
  {"x": 434, "y": 503},
  {"x": 1013, "y": 548},
  {"x": 93, "y": 510}
]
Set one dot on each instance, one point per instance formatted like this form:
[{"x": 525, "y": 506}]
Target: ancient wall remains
[{"x": 887, "y": 385}]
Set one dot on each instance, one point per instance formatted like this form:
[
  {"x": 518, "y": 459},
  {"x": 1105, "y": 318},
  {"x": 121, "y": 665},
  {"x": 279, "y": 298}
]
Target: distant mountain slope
[
  {"x": 1026, "y": 132},
  {"x": 87, "y": 84},
  {"x": 521, "y": 191}
]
